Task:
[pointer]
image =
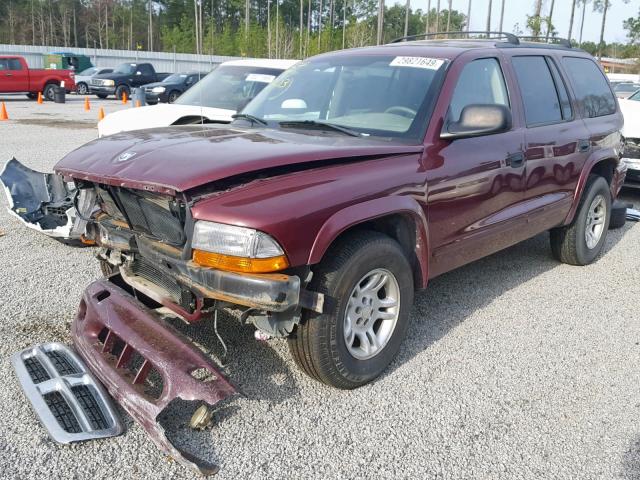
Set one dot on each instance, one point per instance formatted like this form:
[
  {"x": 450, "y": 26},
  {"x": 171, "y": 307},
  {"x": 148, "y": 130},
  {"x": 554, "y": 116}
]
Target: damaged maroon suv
[{"x": 340, "y": 190}]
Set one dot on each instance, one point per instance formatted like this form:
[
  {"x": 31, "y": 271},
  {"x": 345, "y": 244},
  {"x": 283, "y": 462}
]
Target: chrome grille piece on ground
[{"x": 71, "y": 404}]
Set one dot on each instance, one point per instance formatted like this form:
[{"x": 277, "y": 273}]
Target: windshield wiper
[
  {"x": 251, "y": 118},
  {"x": 321, "y": 125}
]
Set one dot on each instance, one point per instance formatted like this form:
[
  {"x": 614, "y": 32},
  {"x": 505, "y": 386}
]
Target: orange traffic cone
[
  {"x": 3, "y": 113},
  {"x": 100, "y": 114},
  {"x": 39, "y": 98},
  {"x": 137, "y": 103},
  {"x": 87, "y": 105},
  {"x": 124, "y": 97}
]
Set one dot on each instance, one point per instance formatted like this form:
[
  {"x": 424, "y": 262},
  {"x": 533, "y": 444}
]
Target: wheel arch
[
  {"x": 602, "y": 163},
  {"x": 399, "y": 217}
]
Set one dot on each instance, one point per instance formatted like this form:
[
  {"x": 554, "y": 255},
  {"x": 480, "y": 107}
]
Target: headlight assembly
[
  {"x": 240, "y": 249},
  {"x": 158, "y": 89}
]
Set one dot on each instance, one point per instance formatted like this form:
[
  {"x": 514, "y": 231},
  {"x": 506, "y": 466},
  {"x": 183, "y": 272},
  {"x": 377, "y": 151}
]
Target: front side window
[
  {"x": 481, "y": 82},
  {"x": 145, "y": 69},
  {"x": 229, "y": 87},
  {"x": 125, "y": 69},
  {"x": 14, "y": 64},
  {"x": 373, "y": 95},
  {"x": 538, "y": 90},
  {"x": 591, "y": 88}
]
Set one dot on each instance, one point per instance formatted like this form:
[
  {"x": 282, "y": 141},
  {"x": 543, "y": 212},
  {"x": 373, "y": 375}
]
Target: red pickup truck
[{"x": 17, "y": 77}]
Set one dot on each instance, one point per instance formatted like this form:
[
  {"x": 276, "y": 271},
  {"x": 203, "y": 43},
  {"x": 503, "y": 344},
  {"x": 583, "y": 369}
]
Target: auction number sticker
[
  {"x": 259, "y": 77},
  {"x": 417, "y": 62}
]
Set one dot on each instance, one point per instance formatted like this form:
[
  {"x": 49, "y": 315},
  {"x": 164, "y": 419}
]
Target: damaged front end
[
  {"x": 45, "y": 202},
  {"x": 144, "y": 241}
]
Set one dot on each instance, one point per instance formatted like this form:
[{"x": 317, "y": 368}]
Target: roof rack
[
  {"x": 511, "y": 38},
  {"x": 560, "y": 41}
]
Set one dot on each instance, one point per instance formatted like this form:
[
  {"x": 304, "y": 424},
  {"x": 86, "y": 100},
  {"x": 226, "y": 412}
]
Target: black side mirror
[{"x": 477, "y": 120}]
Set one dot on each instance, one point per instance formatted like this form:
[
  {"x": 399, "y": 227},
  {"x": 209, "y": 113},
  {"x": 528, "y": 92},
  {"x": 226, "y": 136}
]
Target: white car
[
  {"x": 630, "y": 108},
  {"x": 84, "y": 78},
  {"x": 214, "y": 99}
]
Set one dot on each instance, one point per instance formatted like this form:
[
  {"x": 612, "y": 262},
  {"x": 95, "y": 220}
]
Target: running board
[{"x": 71, "y": 404}]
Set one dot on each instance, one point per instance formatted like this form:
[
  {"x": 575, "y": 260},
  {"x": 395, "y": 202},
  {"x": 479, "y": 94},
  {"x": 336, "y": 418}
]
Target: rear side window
[
  {"x": 481, "y": 82},
  {"x": 538, "y": 90},
  {"x": 592, "y": 91}
]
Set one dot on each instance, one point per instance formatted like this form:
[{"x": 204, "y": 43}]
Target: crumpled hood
[
  {"x": 177, "y": 159},
  {"x": 162, "y": 115}
]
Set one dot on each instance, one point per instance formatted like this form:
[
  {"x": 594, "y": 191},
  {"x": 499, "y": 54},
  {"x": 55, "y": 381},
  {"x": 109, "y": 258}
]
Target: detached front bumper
[{"x": 126, "y": 346}]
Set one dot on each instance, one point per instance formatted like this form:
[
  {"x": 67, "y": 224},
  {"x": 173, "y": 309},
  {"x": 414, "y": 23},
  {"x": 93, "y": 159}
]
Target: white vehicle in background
[
  {"x": 630, "y": 108},
  {"x": 84, "y": 78},
  {"x": 214, "y": 99}
]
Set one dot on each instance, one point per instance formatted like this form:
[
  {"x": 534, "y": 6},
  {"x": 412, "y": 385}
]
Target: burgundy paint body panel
[
  {"x": 106, "y": 306},
  {"x": 176, "y": 159}
]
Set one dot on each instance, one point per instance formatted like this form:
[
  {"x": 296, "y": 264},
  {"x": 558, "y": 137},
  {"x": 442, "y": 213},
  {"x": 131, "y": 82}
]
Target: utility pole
[
  {"x": 501, "y": 15},
  {"x": 489, "y": 16},
  {"x": 584, "y": 8},
  {"x": 380, "y": 20},
  {"x": 468, "y": 15},
  {"x": 449, "y": 17},
  {"x": 406, "y": 17},
  {"x": 426, "y": 26}
]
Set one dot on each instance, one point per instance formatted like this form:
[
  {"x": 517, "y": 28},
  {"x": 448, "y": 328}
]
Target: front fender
[{"x": 362, "y": 212}]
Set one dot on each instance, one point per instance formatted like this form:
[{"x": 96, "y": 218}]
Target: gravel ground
[{"x": 515, "y": 366}]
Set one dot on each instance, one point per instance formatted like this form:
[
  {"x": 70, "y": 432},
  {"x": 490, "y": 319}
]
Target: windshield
[
  {"x": 229, "y": 87},
  {"x": 384, "y": 96},
  {"x": 125, "y": 69},
  {"x": 175, "y": 78},
  {"x": 88, "y": 71}
]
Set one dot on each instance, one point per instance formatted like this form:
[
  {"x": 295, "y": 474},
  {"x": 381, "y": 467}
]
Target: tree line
[{"x": 272, "y": 28}]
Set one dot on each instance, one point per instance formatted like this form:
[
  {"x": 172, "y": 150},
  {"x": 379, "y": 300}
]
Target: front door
[
  {"x": 475, "y": 185},
  {"x": 13, "y": 78}
]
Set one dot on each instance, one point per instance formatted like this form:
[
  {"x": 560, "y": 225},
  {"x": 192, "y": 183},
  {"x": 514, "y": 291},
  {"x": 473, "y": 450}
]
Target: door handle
[
  {"x": 8, "y": 74},
  {"x": 584, "y": 145},
  {"x": 516, "y": 160}
]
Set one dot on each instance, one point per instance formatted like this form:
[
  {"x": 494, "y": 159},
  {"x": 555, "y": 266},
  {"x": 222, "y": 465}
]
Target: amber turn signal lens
[{"x": 240, "y": 264}]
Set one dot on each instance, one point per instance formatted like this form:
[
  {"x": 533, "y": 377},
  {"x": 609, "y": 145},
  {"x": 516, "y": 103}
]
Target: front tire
[
  {"x": 581, "y": 242},
  {"x": 102, "y": 95},
  {"x": 121, "y": 90},
  {"x": 368, "y": 286},
  {"x": 82, "y": 88},
  {"x": 173, "y": 96}
]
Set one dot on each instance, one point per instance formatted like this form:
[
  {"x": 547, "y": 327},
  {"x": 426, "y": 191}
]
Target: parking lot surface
[{"x": 514, "y": 366}]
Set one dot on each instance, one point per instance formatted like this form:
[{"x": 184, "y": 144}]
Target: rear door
[
  {"x": 476, "y": 185},
  {"x": 556, "y": 140}
]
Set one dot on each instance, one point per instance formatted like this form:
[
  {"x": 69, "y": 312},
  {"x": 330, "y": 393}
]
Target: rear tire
[
  {"x": 581, "y": 242},
  {"x": 327, "y": 346},
  {"x": 49, "y": 92},
  {"x": 32, "y": 96}
]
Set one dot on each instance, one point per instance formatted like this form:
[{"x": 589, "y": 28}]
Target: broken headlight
[{"x": 239, "y": 249}]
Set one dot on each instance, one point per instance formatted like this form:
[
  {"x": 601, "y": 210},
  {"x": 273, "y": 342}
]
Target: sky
[{"x": 515, "y": 11}]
